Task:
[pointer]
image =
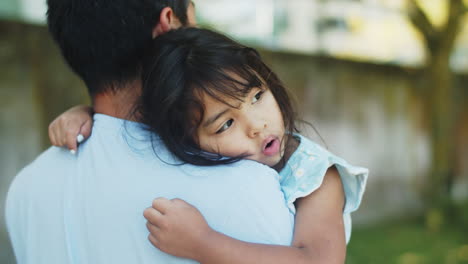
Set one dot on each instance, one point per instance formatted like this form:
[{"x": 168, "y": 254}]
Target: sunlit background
[{"x": 384, "y": 82}]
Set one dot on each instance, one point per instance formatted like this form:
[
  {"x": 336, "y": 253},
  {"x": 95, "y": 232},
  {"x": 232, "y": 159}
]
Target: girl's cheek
[
  {"x": 222, "y": 146},
  {"x": 211, "y": 146},
  {"x": 205, "y": 142}
]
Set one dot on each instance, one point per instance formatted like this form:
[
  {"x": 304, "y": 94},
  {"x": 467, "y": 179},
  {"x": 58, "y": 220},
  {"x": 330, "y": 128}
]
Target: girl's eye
[
  {"x": 225, "y": 126},
  {"x": 257, "y": 96}
]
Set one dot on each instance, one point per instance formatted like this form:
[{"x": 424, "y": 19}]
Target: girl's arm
[
  {"x": 179, "y": 229},
  {"x": 64, "y": 130}
]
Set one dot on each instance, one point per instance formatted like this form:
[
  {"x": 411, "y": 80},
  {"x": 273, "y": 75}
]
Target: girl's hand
[
  {"x": 177, "y": 228},
  {"x": 71, "y": 127}
]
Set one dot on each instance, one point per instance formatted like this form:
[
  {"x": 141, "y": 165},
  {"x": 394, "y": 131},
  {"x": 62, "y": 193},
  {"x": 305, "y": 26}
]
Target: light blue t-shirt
[
  {"x": 88, "y": 208},
  {"x": 305, "y": 170}
]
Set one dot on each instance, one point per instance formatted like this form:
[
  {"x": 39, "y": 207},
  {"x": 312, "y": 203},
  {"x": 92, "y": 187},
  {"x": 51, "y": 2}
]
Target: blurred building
[
  {"x": 366, "y": 30},
  {"x": 31, "y": 11}
]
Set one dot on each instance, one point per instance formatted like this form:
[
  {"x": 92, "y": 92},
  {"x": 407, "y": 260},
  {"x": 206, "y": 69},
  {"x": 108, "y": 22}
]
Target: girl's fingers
[
  {"x": 83, "y": 133},
  {"x": 70, "y": 141},
  {"x": 153, "y": 240},
  {"x": 85, "y": 130},
  {"x": 54, "y": 133},
  {"x": 161, "y": 204},
  {"x": 154, "y": 230},
  {"x": 52, "y": 137},
  {"x": 153, "y": 216},
  {"x": 80, "y": 138},
  {"x": 58, "y": 131}
]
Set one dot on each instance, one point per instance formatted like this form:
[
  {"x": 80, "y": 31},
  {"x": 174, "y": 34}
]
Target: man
[{"x": 88, "y": 208}]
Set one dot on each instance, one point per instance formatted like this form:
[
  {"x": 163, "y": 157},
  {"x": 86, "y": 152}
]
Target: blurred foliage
[
  {"x": 9, "y": 9},
  {"x": 411, "y": 242},
  {"x": 439, "y": 96}
]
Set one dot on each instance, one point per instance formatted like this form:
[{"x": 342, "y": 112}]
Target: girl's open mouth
[{"x": 271, "y": 146}]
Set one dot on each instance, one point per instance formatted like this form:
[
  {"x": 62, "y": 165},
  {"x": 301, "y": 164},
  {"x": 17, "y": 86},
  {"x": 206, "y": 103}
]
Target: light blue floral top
[{"x": 305, "y": 170}]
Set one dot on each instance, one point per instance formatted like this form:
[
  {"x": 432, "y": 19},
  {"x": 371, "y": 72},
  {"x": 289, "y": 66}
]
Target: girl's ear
[{"x": 167, "y": 21}]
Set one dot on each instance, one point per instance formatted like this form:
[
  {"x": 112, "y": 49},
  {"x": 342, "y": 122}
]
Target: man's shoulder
[
  {"x": 35, "y": 197},
  {"x": 52, "y": 163},
  {"x": 245, "y": 165},
  {"x": 52, "y": 159},
  {"x": 239, "y": 168}
]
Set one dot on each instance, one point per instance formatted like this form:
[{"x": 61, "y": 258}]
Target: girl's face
[{"x": 254, "y": 128}]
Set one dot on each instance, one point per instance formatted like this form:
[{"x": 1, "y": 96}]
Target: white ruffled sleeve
[{"x": 306, "y": 169}]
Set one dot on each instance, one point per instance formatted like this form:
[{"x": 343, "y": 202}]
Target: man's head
[{"x": 104, "y": 41}]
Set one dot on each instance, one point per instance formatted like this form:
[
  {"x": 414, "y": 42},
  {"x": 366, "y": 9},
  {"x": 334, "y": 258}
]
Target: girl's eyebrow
[{"x": 215, "y": 117}]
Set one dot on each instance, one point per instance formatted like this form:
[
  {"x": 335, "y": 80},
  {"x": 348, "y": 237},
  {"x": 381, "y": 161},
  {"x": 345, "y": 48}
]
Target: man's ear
[{"x": 167, "y": 21}]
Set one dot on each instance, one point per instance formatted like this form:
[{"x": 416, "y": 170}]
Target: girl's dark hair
[{"x": 187, "y": 62}]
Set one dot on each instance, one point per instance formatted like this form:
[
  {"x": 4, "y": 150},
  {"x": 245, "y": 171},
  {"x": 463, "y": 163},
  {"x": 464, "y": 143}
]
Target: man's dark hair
[
  {"x": 104, "y": 41},
  {"x": 188, "y": 62}
]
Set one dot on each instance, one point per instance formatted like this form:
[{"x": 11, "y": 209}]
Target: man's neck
[{"x": 118, "y": 103}]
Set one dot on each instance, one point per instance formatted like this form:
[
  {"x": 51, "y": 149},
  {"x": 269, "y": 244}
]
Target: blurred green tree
[{"x": 440, "y": 91}]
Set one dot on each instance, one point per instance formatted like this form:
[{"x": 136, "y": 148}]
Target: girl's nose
[{"x": 256, "y": 128}]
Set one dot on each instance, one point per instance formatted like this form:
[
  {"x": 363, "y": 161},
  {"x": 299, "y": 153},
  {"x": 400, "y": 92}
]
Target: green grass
[{"x": 408, "y": 243}]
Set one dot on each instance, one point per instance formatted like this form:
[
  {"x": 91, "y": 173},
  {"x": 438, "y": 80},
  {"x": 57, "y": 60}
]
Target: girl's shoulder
[
  {"x": 308, "y": 154},
  {"x": 313, "y": 155},
  {"x": 306, "y": 168},
  {"x": 308, "y": 158},
  {"x": 307, "y": 147}
]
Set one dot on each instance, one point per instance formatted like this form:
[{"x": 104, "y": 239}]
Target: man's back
[{"x": 89, "y": 208}]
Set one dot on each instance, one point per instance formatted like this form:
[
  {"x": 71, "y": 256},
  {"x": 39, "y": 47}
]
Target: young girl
[{"x": 213, "y": 101}]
